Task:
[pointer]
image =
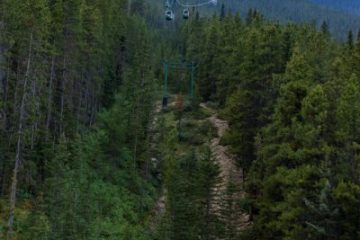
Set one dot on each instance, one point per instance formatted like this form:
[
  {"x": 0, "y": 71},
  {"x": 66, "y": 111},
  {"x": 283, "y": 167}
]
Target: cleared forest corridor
[
  {"x": 88, "y": 152},
  {"x": 227, "y": 165},
  {"x": 203, "y": 188},
  {"x": 229, "y": 172}
]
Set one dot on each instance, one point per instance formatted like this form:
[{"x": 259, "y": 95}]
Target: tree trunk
[
  {"x": 2, "y": 176},
  {"x": 13, "y": 189},
  {"x": 36, "y": 113},
  {"x": 78, "y": 89},
  {"x": 3, "y": 94},
  {"x": 62, "y": 100},
  {"x": 5, "y": 119},
  {"x": 50, "y": 98},
  {"x": 2, "y": 55}
]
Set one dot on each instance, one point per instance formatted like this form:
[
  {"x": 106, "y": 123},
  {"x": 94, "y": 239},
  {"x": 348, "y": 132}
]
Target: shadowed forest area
[{"x": 260, "y": 140}]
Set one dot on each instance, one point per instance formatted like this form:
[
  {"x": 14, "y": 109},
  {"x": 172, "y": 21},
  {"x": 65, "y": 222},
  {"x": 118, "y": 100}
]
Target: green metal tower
[{"x": 191, "y": 67}]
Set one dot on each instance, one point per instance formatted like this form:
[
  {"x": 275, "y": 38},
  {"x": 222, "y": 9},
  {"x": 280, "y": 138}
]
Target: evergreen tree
[
  {"x": 324, "y": 222},
  {"x": 222, "y": 12},
  {"x": 346, "y": 194},
  {"x": 208, "y": 181},
  {"x": 347, "y": 125},
  {"x": 325, "y": 28},
  {"x": 350, "y": 40},
  {"x": 210, "y": 62},
  {"x": 243, "y": 125}
]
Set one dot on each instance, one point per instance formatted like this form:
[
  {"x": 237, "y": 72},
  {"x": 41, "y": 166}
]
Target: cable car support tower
[
  {"x": 191, "y": 67},
  {"x": 168, "y": 66}
]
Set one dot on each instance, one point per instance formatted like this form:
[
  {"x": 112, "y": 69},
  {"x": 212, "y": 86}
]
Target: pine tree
[
  {"x": 347, "y": 194},
  {"x": 347, "y": 124},
  {"x": 249, "y": 15},
  {"x": 324, "y": 221},
  {"x": 208, "y": 181},
  {"x": 325, "y": 28},
  {"x": 210, "y": 62},
  {"x": 355, "y": 58},
  {"x": 222, "y": 12},
  {"x": 350, "y": 40},
  {"x": 298, "y": 68},
  {"x": 230, "y": 54},
  {"x": 291, "y": 150},
  {"x": 243, "y": 124}
]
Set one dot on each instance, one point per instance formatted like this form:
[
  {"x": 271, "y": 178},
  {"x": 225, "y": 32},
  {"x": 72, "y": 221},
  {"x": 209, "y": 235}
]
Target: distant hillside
[
  {"x": 352, "y": 6},
  {"x": 340, "y": 14}
]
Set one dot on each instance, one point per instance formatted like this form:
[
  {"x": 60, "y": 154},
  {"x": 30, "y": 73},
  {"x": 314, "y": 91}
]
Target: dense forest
[
  {"x": 266, "y": 148},
  {"x": 77, "y": 90}
]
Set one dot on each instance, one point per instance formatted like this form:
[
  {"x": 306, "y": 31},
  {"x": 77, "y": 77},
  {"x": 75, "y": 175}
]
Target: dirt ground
[{"x": 228, "y": 169}]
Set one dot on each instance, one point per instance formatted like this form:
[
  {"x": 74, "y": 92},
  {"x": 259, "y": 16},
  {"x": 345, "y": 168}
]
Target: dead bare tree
[{"x": 22, "y": 110}]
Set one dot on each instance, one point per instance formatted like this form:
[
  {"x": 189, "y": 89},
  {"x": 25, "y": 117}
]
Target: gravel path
[{"x": 228, "y": 170}]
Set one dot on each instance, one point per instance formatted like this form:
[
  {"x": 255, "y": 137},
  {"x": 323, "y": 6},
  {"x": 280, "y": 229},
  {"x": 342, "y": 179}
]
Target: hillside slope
[
  {"x": 342, "y": 16},
  {"x": 351, "y": 6},
  {"x": 337, "y": 15}
]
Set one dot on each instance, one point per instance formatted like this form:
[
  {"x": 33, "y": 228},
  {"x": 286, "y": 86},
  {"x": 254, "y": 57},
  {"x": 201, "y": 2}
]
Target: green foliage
[
  {"x": 325, "y": 213},
  {"x": 290, "y": 96},
  {"x": 244, "y": 124},
  {"x": 347, "y": 196},
  {"x": 189, "y": 177},
  {"x": 86, "y": 73},
  {"x": 78, "y": 91}
]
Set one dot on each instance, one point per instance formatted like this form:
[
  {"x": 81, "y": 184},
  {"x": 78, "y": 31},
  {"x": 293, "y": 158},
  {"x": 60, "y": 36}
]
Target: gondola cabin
[
  {"x": 169, "y": 15},
  {"x": 186, "y": 13}
]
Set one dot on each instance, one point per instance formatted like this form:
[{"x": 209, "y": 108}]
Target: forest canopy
[{"x": 99, "y": 139}]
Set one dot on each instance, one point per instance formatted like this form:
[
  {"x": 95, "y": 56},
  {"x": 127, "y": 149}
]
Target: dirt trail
[
  {"x": 228, "y": 169},
  {"x": 229, "y": 172},
  {"x": 159, "y": 208}
]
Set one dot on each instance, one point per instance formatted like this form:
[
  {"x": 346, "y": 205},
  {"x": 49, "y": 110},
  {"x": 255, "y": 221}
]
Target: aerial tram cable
[
  {"x": 169, "y": 3},
  {"x": 169, "y": 13},
  {"x": 199, "y": 4}
]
